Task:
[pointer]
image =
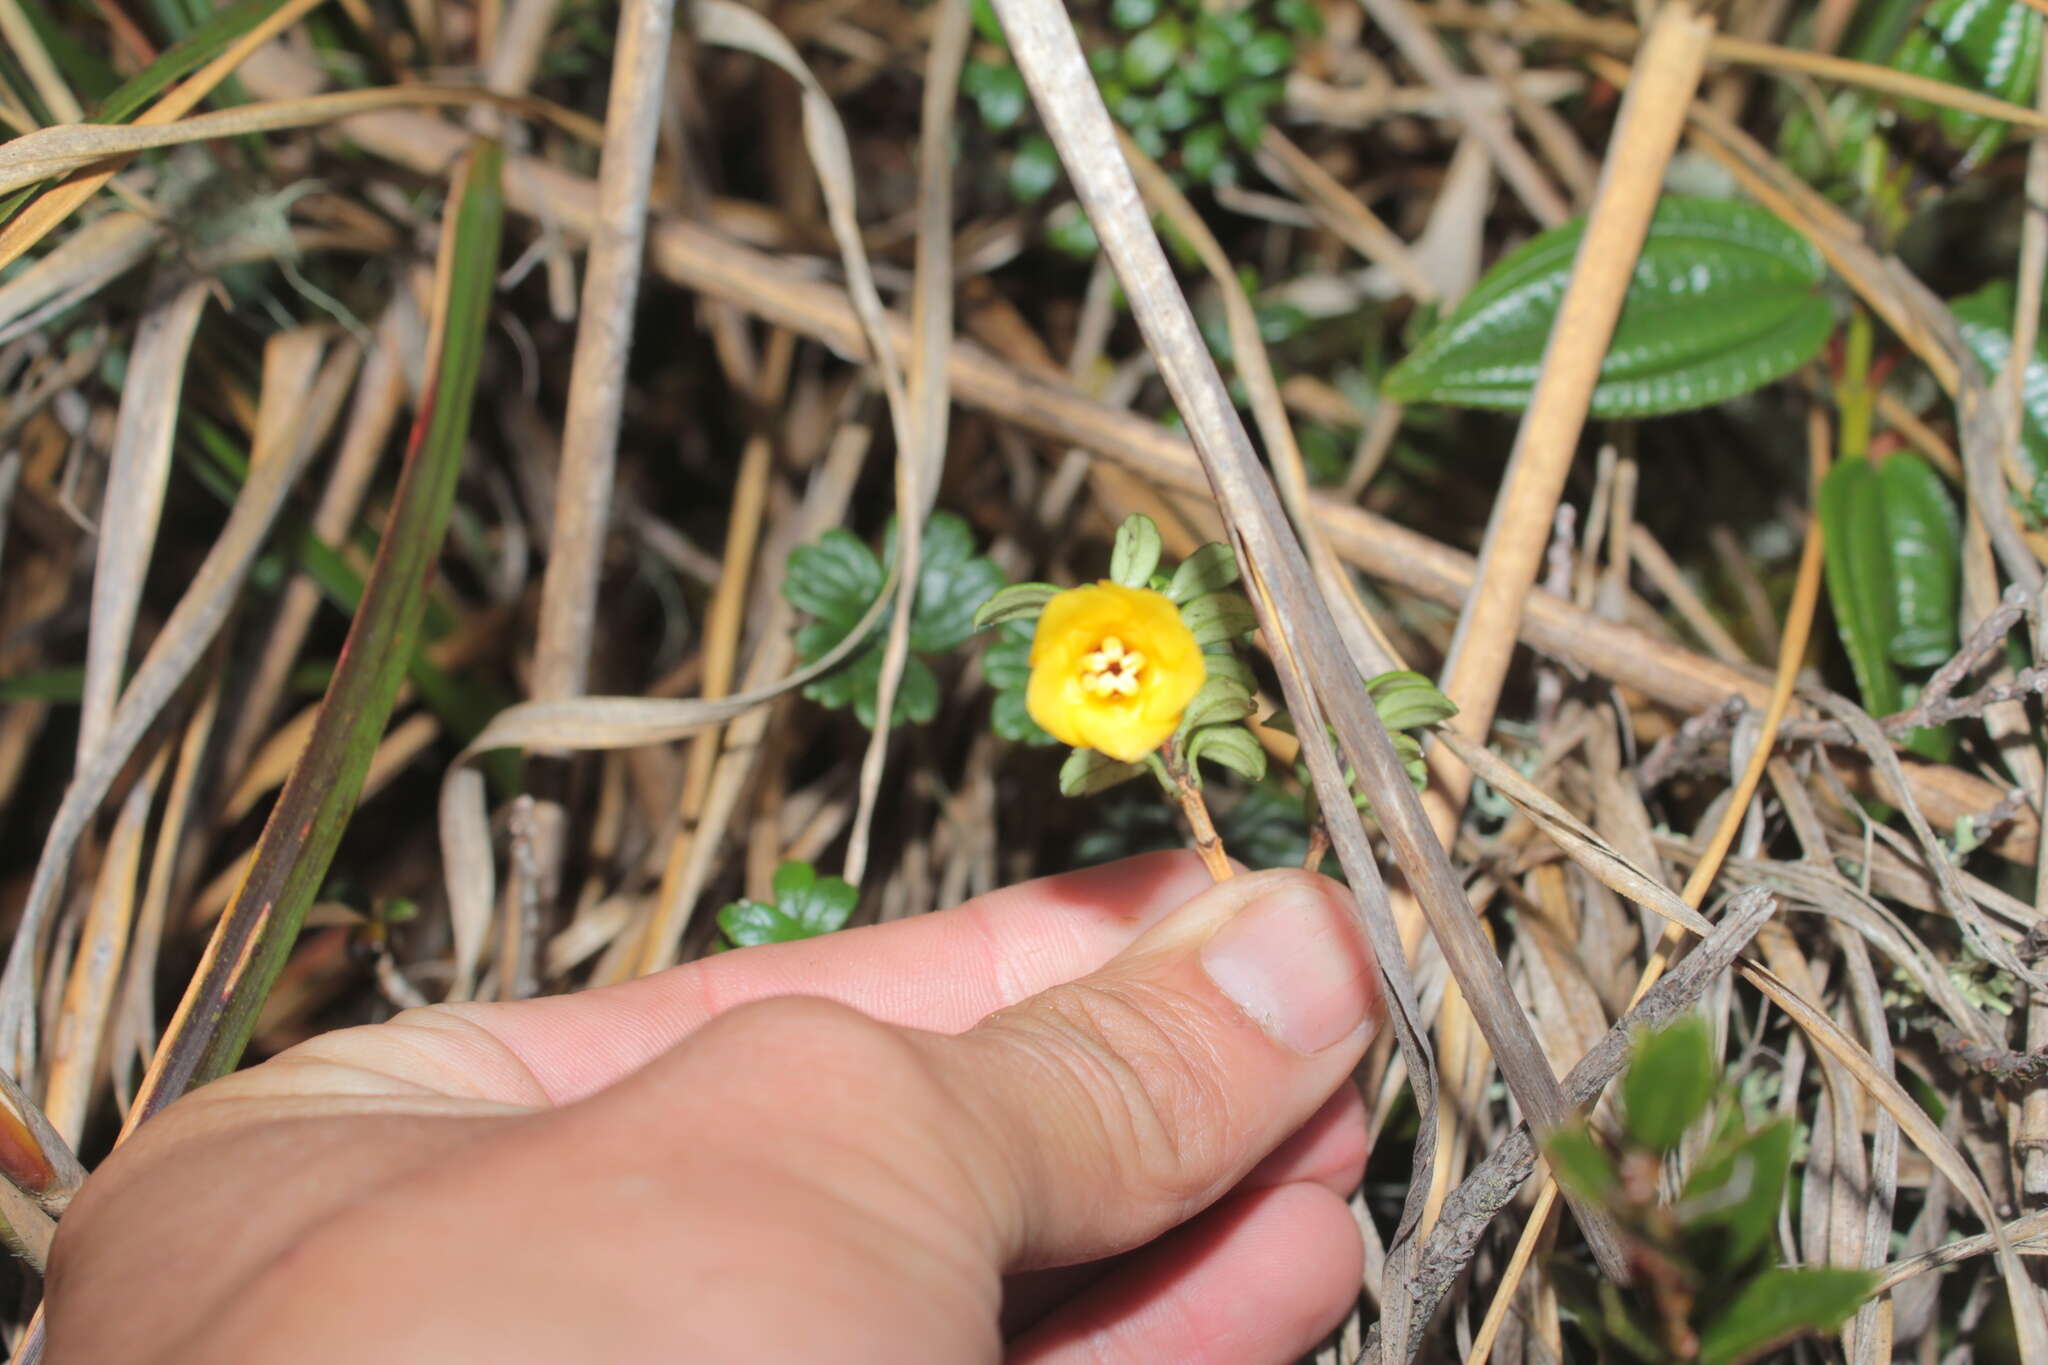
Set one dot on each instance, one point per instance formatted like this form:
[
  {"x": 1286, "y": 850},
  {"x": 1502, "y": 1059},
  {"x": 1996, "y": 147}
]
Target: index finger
[{"x": 944, "y": 972}]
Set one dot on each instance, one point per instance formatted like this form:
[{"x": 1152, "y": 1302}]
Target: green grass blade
[{"x": 255, "y": 935}]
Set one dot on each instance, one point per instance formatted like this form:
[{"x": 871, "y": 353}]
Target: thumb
[{"x": 1117, "y": 1106}]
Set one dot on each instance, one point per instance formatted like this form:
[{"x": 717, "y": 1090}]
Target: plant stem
[{"x": 1207, "y": 843}]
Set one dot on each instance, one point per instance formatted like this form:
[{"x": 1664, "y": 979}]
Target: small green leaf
[
  {"x": 1133, "y": 14},
  {"x": 1136, "y": 553},
  {"x": 1149, "y": 55},
  {"x": 834, "y": 579},
  {"x": 1034, "y": 169},
  {"x": 1730, "y": 1206},
  {"x": 1219, "y": 616},
  {"x": 1070, "y": 233},
  {"x": 1724, "y": 299},
  {"x": 1176, "y": 106},
  {"x": 1010, "y": 718},
  {"x": 1221, "y": 701},
  {"x": 1211, "y": 568},
  {"x": 1086, "y": 772},
  {"x": 1578, "y": 1162},
  {"x": 806, "y": 905},
  {"x": 1781, "y": 1305},
  {"x": 1201, "y": 152},
  {"x": 1857, "y": 556},
  {"x": 998, "y": 92},
  {"x": 1214, "y": 68},
  {"x": 1670, "y": 1080},
  {"x": 1268, "y": 54},
  {"x": 1007, "y": 665},
  {"x": 1018, "y": 602},
  {"x": 1232, "y": 746},
  {"x": 1224, "y": 664},
  {"x": 1244, "y": 110},
  {"x": 1409, "y": 701},
  {"x": 986, "y": 23},
  {"x": 1926, "y": 560}
]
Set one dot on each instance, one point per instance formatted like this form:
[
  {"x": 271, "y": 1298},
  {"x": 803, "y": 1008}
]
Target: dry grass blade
[
  {"x": 137, "y": 471},
  {"x": 1518, "y": 533},
  {"x": 35, "y": 59},
  {"x": 929, "y": 400},
  {"x": 1471, "y": 1208},
  {"x": 33, "y": 1157},
  {"x": 604, "y": 339},
  {"x": 1574, "y": 837},
  {"x": 178, "y": 647},
  {"x": 1049, "y": 56},
  {"x": 74, "y": 269},
  {"x": 53, "y": 152},
  {"x": 39, "y": 218},
  {"x": 700, "y": 260},
  {"x": 249, "y": 945}
]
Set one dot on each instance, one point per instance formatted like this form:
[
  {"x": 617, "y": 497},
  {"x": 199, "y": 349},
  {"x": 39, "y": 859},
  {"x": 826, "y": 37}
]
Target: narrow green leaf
[
  {"x": 1219, "y": 616},
  {"x": 1232, "y": 746},
  {"x": 216, "y": 35},
  {"x": 1409, "y": 701},
  {"x": 1857, "y": 557},
  {"x": 1218, "y": 662},
  {"x": 1211, "y": 568},
  {"x": 1724, "y": 299},
  {"x": 1781, "y": 1305},
  {"x": 1669, "y": 1082},
  {"x": 1018, "y": 602},
  {"x": 1136, "y": 553},
  {"x": 1926, "y": 553},
  {"x": 255, "y": 935},
  {"x": 1086, "y": 772},
  {"x": 1221, "y": 701}
]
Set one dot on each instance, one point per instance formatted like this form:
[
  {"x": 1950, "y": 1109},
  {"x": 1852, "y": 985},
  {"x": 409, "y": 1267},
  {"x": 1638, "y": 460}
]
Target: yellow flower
[{"x": 1112, "y": 668}]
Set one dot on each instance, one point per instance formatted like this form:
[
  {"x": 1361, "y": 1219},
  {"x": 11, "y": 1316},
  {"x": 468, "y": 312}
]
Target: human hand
[{"x": 866, "y": 1147}]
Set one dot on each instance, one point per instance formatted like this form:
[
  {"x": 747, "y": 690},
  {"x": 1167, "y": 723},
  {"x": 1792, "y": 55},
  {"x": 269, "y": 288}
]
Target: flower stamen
[{"x": 1111, "y": 670}]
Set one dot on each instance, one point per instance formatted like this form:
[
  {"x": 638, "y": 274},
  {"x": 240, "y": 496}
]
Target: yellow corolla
[{"x": 1112, "y": 668}]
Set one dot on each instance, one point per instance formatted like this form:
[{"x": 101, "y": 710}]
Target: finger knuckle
[{"x": 1140, "y": 1065}]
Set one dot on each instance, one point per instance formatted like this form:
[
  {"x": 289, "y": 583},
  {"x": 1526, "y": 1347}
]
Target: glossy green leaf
[
  {"x": 1135, "y": 555},
  {"x": 1857, "y": 557},
  {"x": 1133, "y": 14},
  {"x": 1781, "y": 1305},
  {"x": 1670, "y": 1080},
  {"x": 1926, "y": 560},
  {"x": 256, "y": 933},
  {"x": 1989, "y": 46},
  {"x": 1985, "y": 320},
  {"x": 806, "y": 905},
  {"x": 1725, "y": 298}
]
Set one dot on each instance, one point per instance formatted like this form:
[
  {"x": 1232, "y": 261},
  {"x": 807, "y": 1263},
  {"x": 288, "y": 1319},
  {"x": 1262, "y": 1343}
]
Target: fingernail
[{"x": 1293, "y": 962}]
